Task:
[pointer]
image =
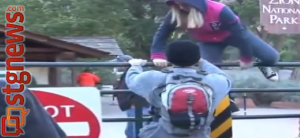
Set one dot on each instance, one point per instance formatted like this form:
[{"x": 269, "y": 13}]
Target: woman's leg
[
  {"x": 265, "y": 54},
  {"x": 213, "y": 53},
  {"x": 130, "y": 128}
]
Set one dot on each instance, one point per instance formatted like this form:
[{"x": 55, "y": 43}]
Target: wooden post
[
  {"x": 74, "y": 73},
  {"x": 63, "y": 56}
]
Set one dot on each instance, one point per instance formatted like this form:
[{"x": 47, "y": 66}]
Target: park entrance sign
[{"x": 280, "y": 16}]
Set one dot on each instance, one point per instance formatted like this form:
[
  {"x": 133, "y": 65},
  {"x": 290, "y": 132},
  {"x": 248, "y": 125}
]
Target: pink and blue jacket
[{"x": 220, "y": 23}]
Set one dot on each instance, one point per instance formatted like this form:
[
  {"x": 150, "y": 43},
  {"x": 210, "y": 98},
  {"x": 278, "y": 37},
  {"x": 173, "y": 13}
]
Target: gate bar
[
  {"x": 118, "y": 64},
  {"x": 236, "y": 117},
  {"x": 234, "y": 90}
]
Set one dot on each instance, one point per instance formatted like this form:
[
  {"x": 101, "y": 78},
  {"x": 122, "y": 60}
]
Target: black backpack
[{"x": 127, "y": 100}]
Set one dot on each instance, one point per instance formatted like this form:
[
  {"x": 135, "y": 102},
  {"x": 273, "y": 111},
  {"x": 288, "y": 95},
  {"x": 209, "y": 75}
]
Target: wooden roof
[
  {"x": 58, "y": 43},
  {"x": 102, "y": 43}
]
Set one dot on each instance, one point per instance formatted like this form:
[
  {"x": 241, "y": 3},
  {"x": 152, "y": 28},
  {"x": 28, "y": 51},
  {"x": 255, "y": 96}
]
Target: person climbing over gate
[
  {"x": 183, "y": 99},
  {"x": 215, "y": 27}
]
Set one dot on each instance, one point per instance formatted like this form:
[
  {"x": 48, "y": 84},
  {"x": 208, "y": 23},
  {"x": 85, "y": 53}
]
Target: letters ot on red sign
[
  {"x": 280, "y": 16},
  {"x": 70, "y": 113}
]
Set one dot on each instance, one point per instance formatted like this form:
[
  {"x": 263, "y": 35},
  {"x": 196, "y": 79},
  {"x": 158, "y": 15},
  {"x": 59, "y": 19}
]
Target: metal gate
[{"x": 139, "y": 117}]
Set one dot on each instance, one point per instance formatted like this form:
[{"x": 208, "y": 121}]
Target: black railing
[
  {"x": 139, "y": 116},
  {"x": 238, "y": 90},
  {"x": 139, "y": 119},
  {"x": 117, "y": 64}
]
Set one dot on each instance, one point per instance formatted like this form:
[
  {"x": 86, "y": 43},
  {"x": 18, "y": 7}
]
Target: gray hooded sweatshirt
[{"x": 145, "y": 84}]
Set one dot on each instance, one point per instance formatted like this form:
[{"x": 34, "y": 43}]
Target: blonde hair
[{"x": 194, "y": 18}]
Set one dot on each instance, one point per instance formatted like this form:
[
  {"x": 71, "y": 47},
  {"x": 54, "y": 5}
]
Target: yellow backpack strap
[{"x": 221, "y": 127}]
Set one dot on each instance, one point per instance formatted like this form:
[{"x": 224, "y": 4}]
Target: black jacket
[
  {"x": 39, "y": 124},
  {"x": 126, "y": 100}
]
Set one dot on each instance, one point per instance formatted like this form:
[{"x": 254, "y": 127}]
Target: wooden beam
[
  {"x": 2, "y": 40},
  {"x": 60, "y": 43},
  {"x": 39, "y": 57},
  {"x": 66, "y": 55},
  {"x": 36, "y": 50},
  {"x": 33, "y": 56}
]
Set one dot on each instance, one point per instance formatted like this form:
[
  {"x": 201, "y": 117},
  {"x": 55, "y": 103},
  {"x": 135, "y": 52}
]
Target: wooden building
[{"x": 42, "y": 48}]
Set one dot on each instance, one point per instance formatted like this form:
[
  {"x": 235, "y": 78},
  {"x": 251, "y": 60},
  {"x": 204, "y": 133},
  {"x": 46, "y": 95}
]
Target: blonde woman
[{"x": 215, "y": 27}]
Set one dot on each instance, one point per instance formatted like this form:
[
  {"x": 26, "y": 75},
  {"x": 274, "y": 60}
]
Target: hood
[{"x": 200, "y": 5}]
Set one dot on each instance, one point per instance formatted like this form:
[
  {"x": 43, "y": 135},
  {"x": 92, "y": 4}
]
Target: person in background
[
  {"x": 39, "y": 124},
  {"x": 88, "y": 78},
  {"x": 128, "y": 101}
]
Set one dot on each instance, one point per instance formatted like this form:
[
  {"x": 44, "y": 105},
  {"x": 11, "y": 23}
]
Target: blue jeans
[
  {"x": 213, "y": 52},
  {"x": 130, "y": 128}
]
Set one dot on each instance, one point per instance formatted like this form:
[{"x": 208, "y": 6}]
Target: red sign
[{"x": 73, "y": 117}]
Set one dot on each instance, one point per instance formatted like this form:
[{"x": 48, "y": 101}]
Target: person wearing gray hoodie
[{"x": 183, "y": 55}]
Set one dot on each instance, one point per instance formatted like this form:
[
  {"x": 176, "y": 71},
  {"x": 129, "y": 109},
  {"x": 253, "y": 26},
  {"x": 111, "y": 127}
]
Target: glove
[
  {"x": 245, "y": 65},
  {"x": 160, "y": 62},
  {"x": 137, "y": 62}
]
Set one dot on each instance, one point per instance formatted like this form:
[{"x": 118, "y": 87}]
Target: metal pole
[
  {"x": 235, "y": 90},
  {"x": 237, "y": 117},
  {"x": 139, "y": 117},
  {"x": 118, "y": 64},
  {"x": 245, "y": 103},
  {"x": 258, "y": 90}
]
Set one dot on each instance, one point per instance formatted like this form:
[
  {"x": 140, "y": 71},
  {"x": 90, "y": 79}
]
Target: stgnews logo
[{"x": 13, "y": 122}]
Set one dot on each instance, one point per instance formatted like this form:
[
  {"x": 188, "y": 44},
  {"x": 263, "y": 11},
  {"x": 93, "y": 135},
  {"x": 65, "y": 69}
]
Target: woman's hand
[
  {"x": 160, "y": 62},
  {"x": 137, "y": 62}
]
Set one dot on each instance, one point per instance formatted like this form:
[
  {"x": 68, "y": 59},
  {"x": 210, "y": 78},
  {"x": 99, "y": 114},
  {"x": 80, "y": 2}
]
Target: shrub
[{"x": 254, "y": 79}]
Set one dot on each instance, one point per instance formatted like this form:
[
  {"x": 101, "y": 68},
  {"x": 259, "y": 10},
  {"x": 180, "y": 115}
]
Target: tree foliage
[{"x": 132, "y": 22}]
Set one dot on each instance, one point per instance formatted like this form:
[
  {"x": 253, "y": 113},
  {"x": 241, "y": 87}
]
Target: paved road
[{"x": 260, "y": 128}]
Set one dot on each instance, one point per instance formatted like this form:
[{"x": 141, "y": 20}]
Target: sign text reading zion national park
[{"x": 280, "y": 16}]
